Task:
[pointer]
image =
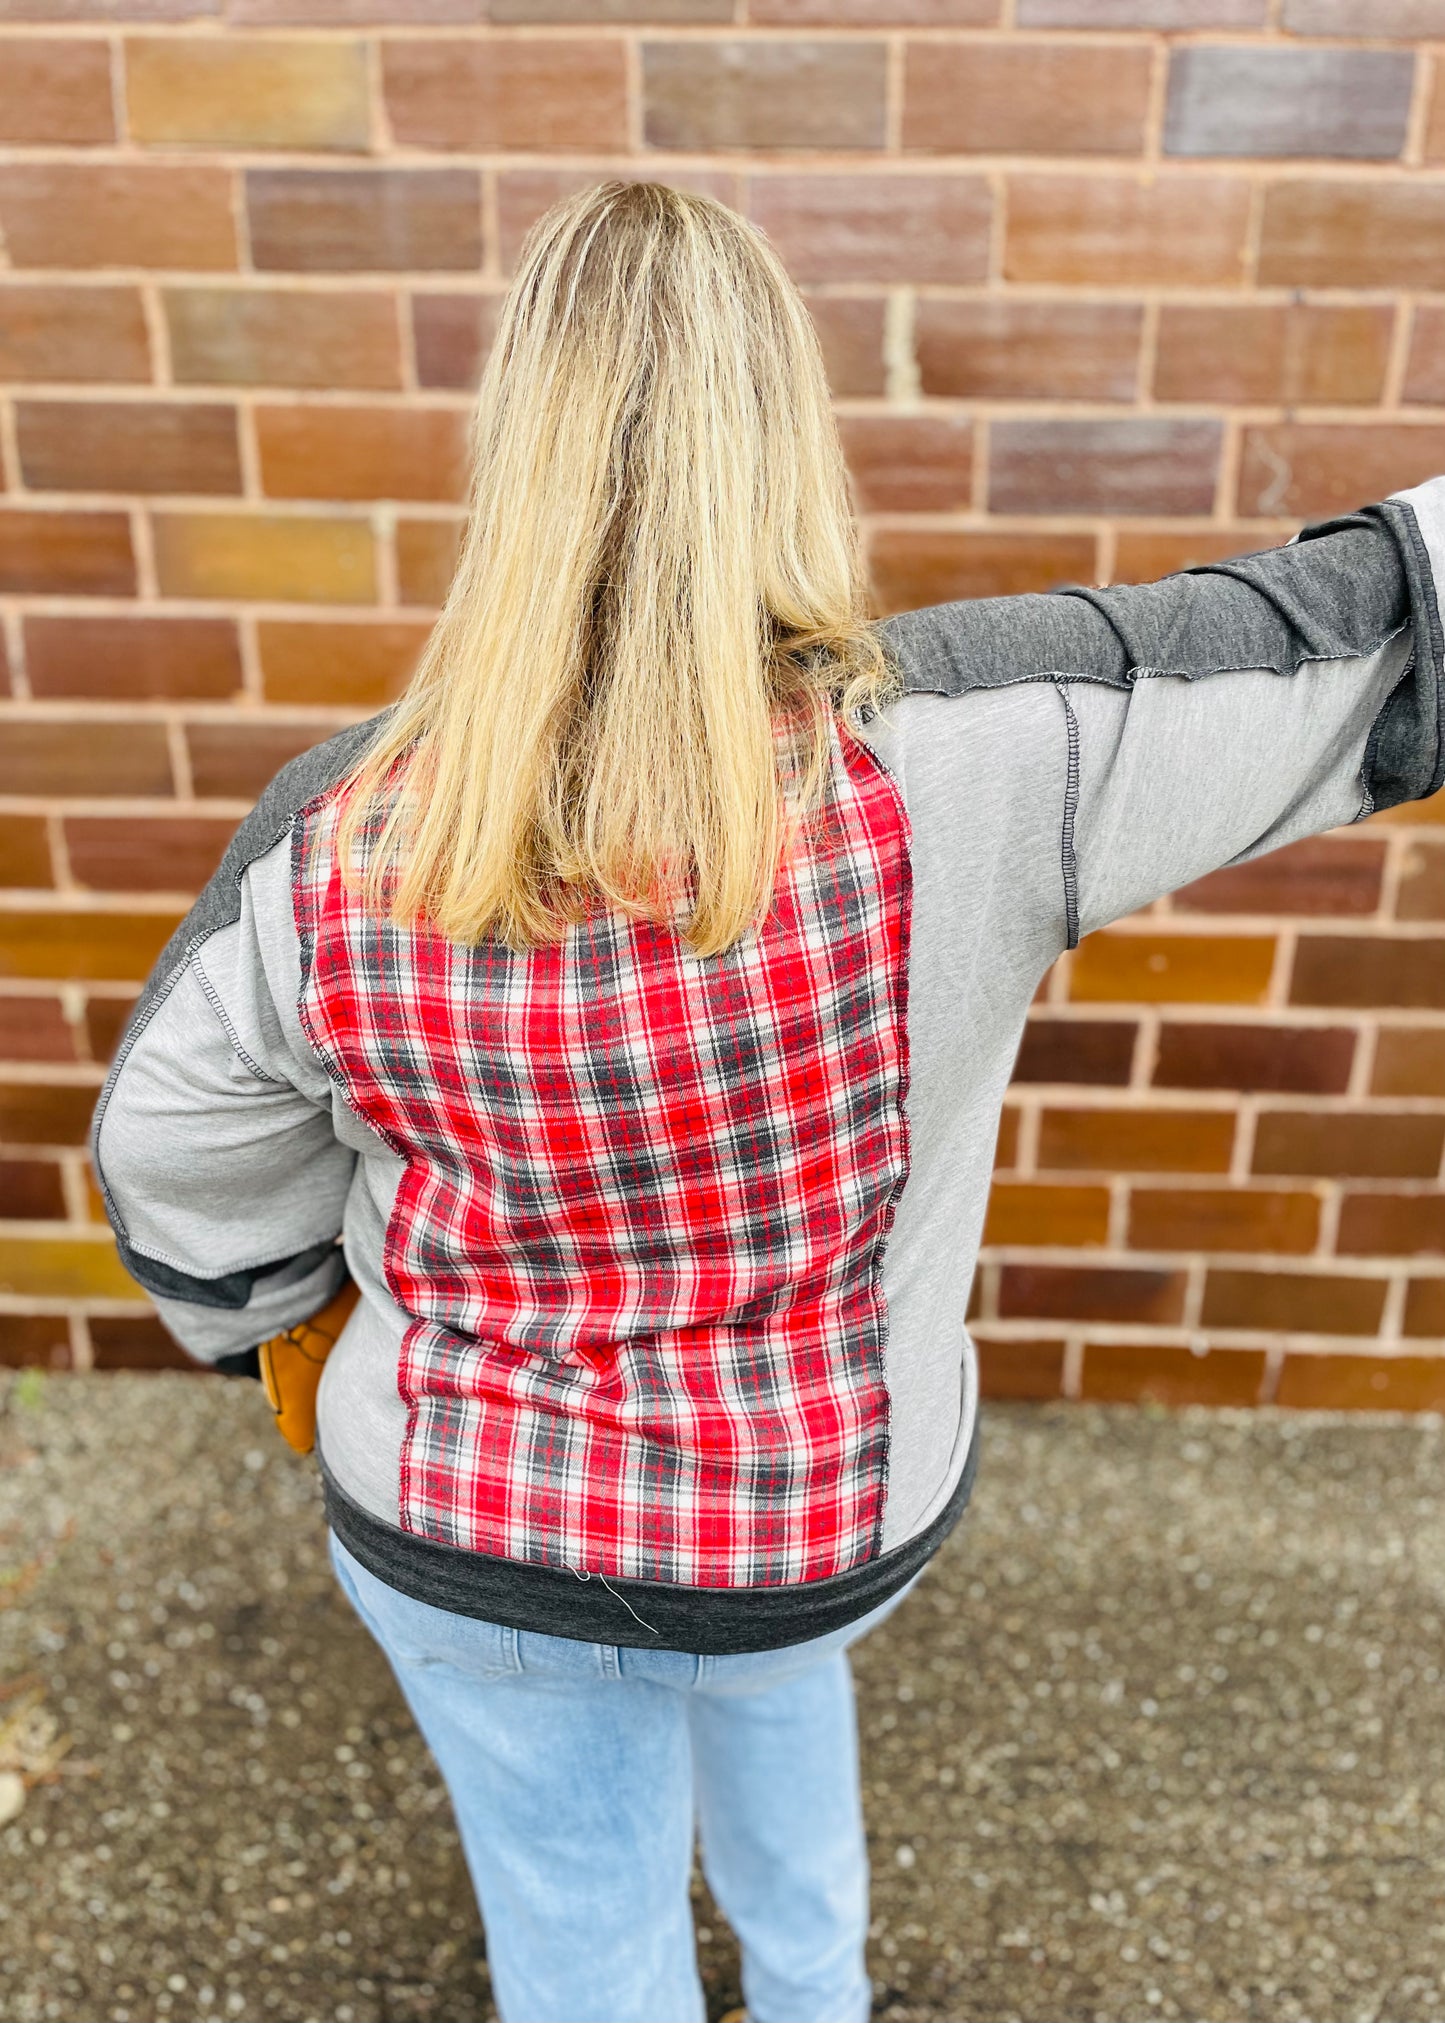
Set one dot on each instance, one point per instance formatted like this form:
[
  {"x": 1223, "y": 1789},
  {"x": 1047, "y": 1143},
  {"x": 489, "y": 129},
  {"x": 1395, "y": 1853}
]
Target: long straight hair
[{"x": 659, "y": 613}]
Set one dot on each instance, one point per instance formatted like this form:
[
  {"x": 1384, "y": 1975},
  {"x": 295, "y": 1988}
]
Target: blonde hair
[{"x": 659, "y": 610}]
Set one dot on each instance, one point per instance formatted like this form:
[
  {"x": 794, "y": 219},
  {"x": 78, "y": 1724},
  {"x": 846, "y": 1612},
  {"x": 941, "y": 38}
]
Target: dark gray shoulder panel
[
  {"x": 1338, "y": 593},
  {"x": 1406, "y": 760},
  {"x": 297, "y": 784}
]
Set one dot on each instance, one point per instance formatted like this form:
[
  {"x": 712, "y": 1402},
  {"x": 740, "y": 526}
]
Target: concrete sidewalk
[{"x": 1161, "y": 1734}]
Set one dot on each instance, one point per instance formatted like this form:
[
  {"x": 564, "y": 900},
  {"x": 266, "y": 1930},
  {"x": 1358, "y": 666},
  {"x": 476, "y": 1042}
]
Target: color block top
[{"x": 664, "y": 1260}]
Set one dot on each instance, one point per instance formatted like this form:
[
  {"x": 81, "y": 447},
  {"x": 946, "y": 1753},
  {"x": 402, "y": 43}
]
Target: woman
[{"x": 635, "y": 1001}]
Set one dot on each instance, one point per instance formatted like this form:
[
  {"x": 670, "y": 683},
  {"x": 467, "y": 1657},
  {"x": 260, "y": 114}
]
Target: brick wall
[{"x": 1105, "y": 286}]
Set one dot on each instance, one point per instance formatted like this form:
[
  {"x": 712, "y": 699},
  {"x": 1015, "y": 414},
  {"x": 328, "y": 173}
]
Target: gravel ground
[{"x": 1159, "y": 1735}]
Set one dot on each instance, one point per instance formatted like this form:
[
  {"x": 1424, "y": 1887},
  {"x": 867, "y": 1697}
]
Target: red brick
[
  {"x": 139, "y": 1343},
  {"x": 1207, "y": 1218},
  {"x": 426, "y": 556},
  {"x": 1146, "y": 555},
  {"x": 1363, "y": 1383},
  {"x": 128, "y": 446},
  {"x": 1128, "y": 466},
  {"x": 1005, "y": 349},
  {"x": 287, "y": 558},
  {"x": 132, "y": 659},
  {"x": 1053, "y": 98},
  {"x": 1425, "y": 1307},
  {"x": 1132, "y": 1373},
  {"x": 452, "y": 335},
  {"x": 24, "y": 851},
  {"x": 522, "y": 195},
  {"x": 30, "y": 1191},
  {"x": 78, "y": 214},
  {"x": 1296, "y": 1302},
  {"x": 752, "y": 93},
  {"x": 83, "y": 947},
  {"x": 34, "y": 1113},
  {"x": 52, "y": 332},
  {"x": 1092, "y": 230},
  {"x": 1085, "y": 1051},
  {"x": 232, "y": 762},
  {"x": 1421, "y": 894},
  {"x": 34, "y": 1029},
  {"x": 1409, "y": 1061},
  {"x": 688, "y": 13},
  {"x": 35, "y": 1341},
  {"x": 1136, "y": 1141},
  {"x": 1090, "y": 1293},
  {"x": 875, "y": 13},
  {"x": 134, "y": 853},
  {"x": 79, "y": 758},
  {"x": 1007, "y": 1147},
  {"x": 1324, "y": 874},
  {"x": 55, "y": 93},
  {"x": 1142, "y": 13},
  {"x": 63, "y": 1268},
  {"x": 1331, "y": 233},
  {"x": 1392, "y": 1225},
  {"x": 1339, "y": 969},
  {"x": 1366, "y": 1145},
  {"x": 1407, "y": 18},
  {"x": 910, "y": 569},
  {"x": 252, "y": 91},
  {"x": 850, "y": 331},
  {"x": 282, "y": 337},
  {"x": 1171, "y": 969},
  {"x": 1291, "y": 354},
  {"x": 1251, "y": 99},
  {"x": 880, "y": 228},
  {"x": 106, "y": 1019},
  {"x": 1302, "y": 1060},
  {"x": 335, "y": 452},
  {"x": 1425, "y": 373},
  {"x": 1031, "y": 1370},
  {"x": 1021, "y": 1213},
  {"x": 336, "y": 221},
  {"x": 909, "y": 463},
  {"x": 1319, "y": 468},
  {"x": 66, "y": 554},
  {"x": 360, "y": 665},
  {"x": 526, "y": 93}
]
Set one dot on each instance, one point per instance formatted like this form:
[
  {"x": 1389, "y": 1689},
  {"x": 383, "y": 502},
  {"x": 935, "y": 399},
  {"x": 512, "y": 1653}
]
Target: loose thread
[{"x": 583, "y": 1573}]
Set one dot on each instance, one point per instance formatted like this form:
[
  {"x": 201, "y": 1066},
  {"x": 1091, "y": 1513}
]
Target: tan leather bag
[{"x": 291, "y": 1366}]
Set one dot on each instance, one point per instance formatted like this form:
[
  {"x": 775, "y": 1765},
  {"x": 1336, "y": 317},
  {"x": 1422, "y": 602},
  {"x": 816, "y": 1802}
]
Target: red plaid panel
[{"x": 645, "y": 1200}]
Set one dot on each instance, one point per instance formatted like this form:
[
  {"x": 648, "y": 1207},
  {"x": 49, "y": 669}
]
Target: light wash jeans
[{"x": 577, "y": 1770}]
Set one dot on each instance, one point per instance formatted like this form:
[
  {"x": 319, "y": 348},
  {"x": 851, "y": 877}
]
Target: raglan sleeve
[
  {"x": 1222, "y": 712},
  {"x": 213, "y": 1140},
  {"x": 1257, "y": 702}
]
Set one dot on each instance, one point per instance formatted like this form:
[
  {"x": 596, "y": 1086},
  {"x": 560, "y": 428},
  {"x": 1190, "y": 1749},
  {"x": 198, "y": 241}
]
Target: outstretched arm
[{"x": 1224, "y": 711}]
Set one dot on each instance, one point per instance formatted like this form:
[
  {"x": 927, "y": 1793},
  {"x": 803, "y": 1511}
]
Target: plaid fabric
[{"x": 641, "y": 1224}]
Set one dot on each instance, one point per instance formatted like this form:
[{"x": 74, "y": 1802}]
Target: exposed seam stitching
[
  {"x": 1068, "y": 857},
  {"x": 1430, "y": 605},
  {"x": 212, "y": 997},
  {"x": 250, "y": 1264},
  {"x": 142, "y": 1018},
  {"x": 1143, "y": 672}
]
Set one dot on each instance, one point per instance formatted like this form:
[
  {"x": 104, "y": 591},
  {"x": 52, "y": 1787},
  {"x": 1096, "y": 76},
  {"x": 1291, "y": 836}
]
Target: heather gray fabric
[{"x": 1064, "y": 760}]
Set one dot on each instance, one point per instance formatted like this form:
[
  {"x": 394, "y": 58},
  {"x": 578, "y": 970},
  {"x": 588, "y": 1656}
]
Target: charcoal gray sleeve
[
  {"x": 215, "y": 1140},
  {"x": 1226, "y": 710}
]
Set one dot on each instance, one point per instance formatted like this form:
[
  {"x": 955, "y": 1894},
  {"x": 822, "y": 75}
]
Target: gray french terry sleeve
[
  {"x": 215, "y": 1141},
  {"x": 1224, "y": 711}
]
